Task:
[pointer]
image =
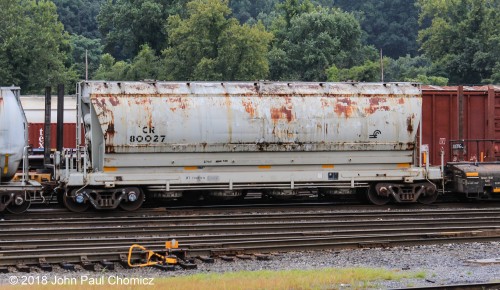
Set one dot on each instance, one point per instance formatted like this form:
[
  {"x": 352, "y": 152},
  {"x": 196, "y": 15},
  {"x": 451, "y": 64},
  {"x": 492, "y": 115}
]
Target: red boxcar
[{"x": 461, "y": 113}]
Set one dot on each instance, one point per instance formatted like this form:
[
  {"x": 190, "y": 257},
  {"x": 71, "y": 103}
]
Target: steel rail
[
  {"x": 40, "y": 245},
  {"x": 197, "y": 209},
  {"x": 231, "y": 227},
  {"x": 245, "y": 217}
]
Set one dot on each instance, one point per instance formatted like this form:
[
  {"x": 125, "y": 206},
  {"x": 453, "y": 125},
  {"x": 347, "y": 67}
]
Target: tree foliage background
[
  {"x": 463, "y": 38},
  {"x": 431, "y": 41},
  {"x": 209, "y": 45},
  {"x": 309, "y": 41},
  {"x": 34, "y": 48}
]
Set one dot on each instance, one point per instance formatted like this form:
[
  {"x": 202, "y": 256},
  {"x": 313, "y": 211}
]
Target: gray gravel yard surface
[{"x": 441, "y": 264}]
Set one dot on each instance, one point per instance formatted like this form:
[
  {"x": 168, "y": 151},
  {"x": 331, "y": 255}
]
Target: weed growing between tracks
[{"x": 354, "y": 278}]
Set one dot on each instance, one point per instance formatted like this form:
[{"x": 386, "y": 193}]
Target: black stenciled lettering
[{"x": 147, "y": 138}]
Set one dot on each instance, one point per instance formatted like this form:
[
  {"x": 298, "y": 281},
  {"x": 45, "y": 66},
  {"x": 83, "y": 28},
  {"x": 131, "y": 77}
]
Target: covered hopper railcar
[
  {"x": 15, "y": 196},
  {"x": 186, "y": 140}
]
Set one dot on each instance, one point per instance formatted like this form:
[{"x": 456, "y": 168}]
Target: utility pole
[
  {"x": 86, "y": 66},
  {"x": 381, "y": 67}
]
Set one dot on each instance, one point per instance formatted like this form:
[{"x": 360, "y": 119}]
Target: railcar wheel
[
  {"x": 131, "y": 205},
  {"x": 427, "y": 199},
  {"x": 75, "y": 201},
  {"x": 376, "y": 199},
  {"x": 18, "y": 205},
  {"x": 429, "y": 195}
]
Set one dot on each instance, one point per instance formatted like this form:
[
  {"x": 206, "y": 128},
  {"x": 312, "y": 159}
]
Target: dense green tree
[
  {"x": 80, "y": 44},
  {"x": 249, "y": 10},
  {"x": 243, "y": 52},
  {"x": 208, "y": 45},
  {"x": 418, "y": 69},
  {"x": 79, "y": 16},
  {"x": 145, "y": 65},
  {"x": 313, "y": 42},
  {"x": 367, "y": 72},
  {"x": 495, "y": 76},
  {"x": 388, "y": 24},
  {"x": 429, "y": 80},
  {"x": 292, "y": 8},
  {"x": 111, "y": 70},
  {"x": 125, "y": 25},
  {"x": 409, "y": 69},
  {"x": 34, "y": 49},
  {"x": 406, "y": 67},
  {"x": 463, "y": 37}
]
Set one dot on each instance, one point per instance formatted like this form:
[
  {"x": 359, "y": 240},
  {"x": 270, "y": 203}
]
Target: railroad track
[
  {"x": 93, "y": 239},
  {"x": 44, "y": 212}
]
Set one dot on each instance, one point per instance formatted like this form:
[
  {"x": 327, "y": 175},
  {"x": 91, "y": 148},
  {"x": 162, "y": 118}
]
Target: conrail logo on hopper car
[{"x": 375, "y": 134}]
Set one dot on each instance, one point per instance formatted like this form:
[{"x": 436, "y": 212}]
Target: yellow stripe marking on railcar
[
  {"x": 472, "y": 174},
  {"x": 109, "y": 169},
  {"x": 6, "y": 165},
  {"x": 496, "y": 189},
  {"x": 327, "y": 166},
  {"x": 264, "y": 166},
  {"x": 403, "y": 165}
]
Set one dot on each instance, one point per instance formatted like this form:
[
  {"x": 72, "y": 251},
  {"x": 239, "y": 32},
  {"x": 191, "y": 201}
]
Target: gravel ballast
[{"x": 437, "y": 265}]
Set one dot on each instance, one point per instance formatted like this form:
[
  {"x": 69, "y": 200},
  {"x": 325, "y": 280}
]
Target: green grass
[
  {"x": 420, "y": 275},
  {"x": 356, "y": 278}
]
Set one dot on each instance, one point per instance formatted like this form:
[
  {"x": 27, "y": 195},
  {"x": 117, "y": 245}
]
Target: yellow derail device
[{"x": 153, "y": 258}]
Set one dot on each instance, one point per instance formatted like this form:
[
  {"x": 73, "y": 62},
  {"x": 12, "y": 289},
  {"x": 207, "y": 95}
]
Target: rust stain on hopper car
[
  {"x": 409, "y": 123},
  {"x": 111, "y": 129},
  {"x": 110, "y": 148},
  {"x": 375, "y": 105},
  {"x": 99, "y": 102},
  {"x": 249, "y": 108},
  {"x": 325, "y": 103},
  {"x": 142, "y": 99},
  {"x": 114, "y": 101},
  {"x": 375, "y": 101},
  {"x": 150, "y": 120},
  {"x": 281, "y": 113},
  {"x": 285, "y": 112},
  {"x": 109, "y": 138},
  {"x": 344, "y": 106},
  {"x": 177, "y": 103}
]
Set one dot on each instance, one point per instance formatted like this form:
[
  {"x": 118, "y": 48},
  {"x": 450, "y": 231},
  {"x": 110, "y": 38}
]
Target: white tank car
[
  {"x": 213, "y": 139},
  {"x": 13, "y": 132}
]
